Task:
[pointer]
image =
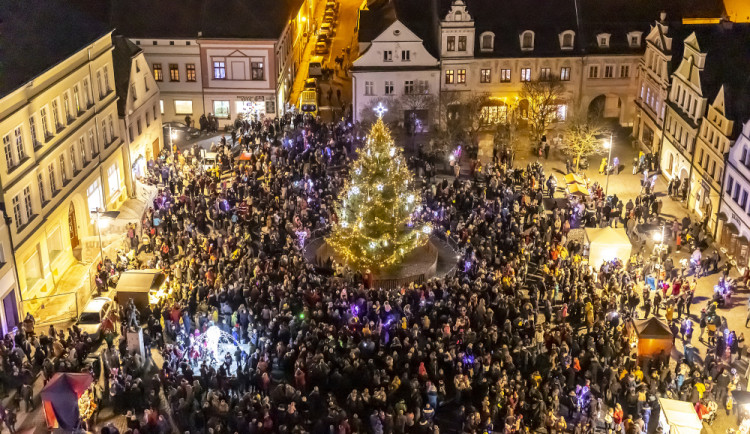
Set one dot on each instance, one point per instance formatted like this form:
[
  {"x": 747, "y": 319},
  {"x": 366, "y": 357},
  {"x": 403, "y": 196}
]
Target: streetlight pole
[{"x": 609, "y": 160}]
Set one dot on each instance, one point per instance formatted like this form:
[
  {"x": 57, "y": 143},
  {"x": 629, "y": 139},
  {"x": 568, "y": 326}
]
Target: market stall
[
  {"x": 678, "y": 417},
  {"x": 67, "y": 401},
  {"x": 651, "y": 336},
  {"x": 606, "y": 244}
]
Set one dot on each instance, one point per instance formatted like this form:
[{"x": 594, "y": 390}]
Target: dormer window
[
  {"x": 527, "y": 40},
  {"x": 458, "y": 16},
  {"x": 566, "y": 40},
  {"x": 487, "y": 40},
  {"x": 634, "y": 39},
  {"x": 603, "y": 40}
]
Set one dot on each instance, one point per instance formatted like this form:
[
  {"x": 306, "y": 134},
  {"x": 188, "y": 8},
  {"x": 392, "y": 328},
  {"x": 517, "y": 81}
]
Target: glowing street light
[
  {"x": 103, "y": 224},
  {"x": 608, "y": 145}
]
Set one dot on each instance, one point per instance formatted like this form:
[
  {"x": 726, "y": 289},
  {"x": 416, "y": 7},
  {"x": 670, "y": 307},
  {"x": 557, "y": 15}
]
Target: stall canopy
[
  {"x": 578, "y": 189},
  {"x": 606, "y": 244},
  {"x": 140, "y": 280},
  {"x": 574, "y": 178},
  {"x": 653, "y": 336},
  {"x": 60, "y": 399},
  {"x": 680, "y": 417}
]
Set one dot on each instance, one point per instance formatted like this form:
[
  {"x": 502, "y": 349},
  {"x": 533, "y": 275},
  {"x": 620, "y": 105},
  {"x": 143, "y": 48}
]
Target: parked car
[
  {"x": 181, "y": 131},
  {"x": 326, "y": 29},
  {"x": 311, "y": 84},
  {"x": 332, "y": 5},
  {"x": 92, "y": 315},
  {"x": 329, "y": 16},
  {"x": 321, "y": 48}
]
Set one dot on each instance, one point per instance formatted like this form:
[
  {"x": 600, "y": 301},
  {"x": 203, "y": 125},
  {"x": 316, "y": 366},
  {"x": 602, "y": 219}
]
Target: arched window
[
  {"x": 527, "y": 40},
  {"x": 567, "y": 40},
  {"x": 487, "y": 40}
]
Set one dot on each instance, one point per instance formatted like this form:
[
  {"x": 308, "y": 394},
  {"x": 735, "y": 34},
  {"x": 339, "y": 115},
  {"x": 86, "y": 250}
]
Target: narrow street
[{"x": 330, "y": 108}]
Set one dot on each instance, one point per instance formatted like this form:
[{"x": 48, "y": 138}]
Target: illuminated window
[
  {"x": 485, "y": 76},
  {"x": 449, "y": 76},
  {"x": 157, "y": 72},
  {"x": 525, "y": 74},
  {"x": 220, "y": 71},
  {"x": 190, "y": 72},
  {"x": 505, "y": 75},
  {"x": 257, "y": 70},
  {"x": 183, "y": 107},
  {"x": 221, "y": 109},
  {"x": 174, "y": 72},
  {"x": 451, "y": 43},
  {"x": 565, "y": 73},
  {"x": 461, "y": 76}
]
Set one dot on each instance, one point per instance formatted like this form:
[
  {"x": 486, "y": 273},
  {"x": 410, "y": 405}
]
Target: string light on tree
[{"x": 377, "y": 228}]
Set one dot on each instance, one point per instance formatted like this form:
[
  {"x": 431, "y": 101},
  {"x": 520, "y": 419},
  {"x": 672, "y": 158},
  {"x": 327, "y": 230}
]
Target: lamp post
[
  {"x": 103, "y": 224},
  {"x": 609, "y": 145},
  {"x": 659, "y": 237}
]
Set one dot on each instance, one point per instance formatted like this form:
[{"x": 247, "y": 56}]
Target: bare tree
[
  {"x": 394, "y": 116},
  {"x": 583, "y": 137},
  {"x": 544, "y": 97}
]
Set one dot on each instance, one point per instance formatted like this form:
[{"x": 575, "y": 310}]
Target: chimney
[{"x": 663, "y": 16}]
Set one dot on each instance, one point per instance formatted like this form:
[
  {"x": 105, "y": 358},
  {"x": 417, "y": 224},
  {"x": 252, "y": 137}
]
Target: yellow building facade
[{"x": 63, "y": 158}]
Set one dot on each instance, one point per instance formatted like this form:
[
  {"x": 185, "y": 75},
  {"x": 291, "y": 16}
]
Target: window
[
  {"x": 102, "y": 92},
  {"x": 52, "y": 178},
  {"x": 257, "y": 70},
  {"x": 567, "y": 41},
  {"x": 730, "y": 184},
  {"x": 148, "y": 118},
  {"x": 220, "y": 71},
  {"x": 487, "y": 41},
  {"x": 140, "y": 126},
  {"x": 66, "y": 106},
  {"x": 113, "y": 179},
  {"x": 593, "y": 71},
  {"x": 43, "y": 116},
  {"x": 82, "y": 150},
  {"x": 20, "y": 150},
  {"x": 112, "y": 130},
  {"x": 56, "y": 114},
  {"x": 174, "y": 72},
  {"x": 525, "y": 74},
  {"x": 92, "y": 143},
  {"x": 133, "y": 92},
  {"x": 387, "y": 56},
  {"x": 105, "y": 133},
  {"x": 462, "y": 43},
  {"x": 484, "y": 76},
  {"x": 54, "y": 243},
  {"x": 609, "y": 71},
  {"x": 63, "y": 169},
  {"x": 527, "y": 40},
  {"x": 712, "y": 171},
  {"x": 634, "y": 39},
  {"x": 183, "y": 107},
  {"x": 389, "y": 88},
  {"x": 409, "y": 87},
  {"x": 158, "y": 76},
  {"x": 10, "y": 162},
  {"x": 32, "y": 130},
  {"x": 544, "y": 74},
  {"x": 42, "y": 191},
  {"x": 743, "y": 199},
  {"x": 94, "y": 196},
  {"x": 603, "y": 39},
  {"x": 624, "y": 71},
  {"x": 562, "y": 112},
  {"x": 27, "y": 202},
  {"x": 449, "y": 76},
  {"x": 77, "y": 99},
  {"x": 190, "y": 72},
  {"x": 106, "y": 79},
  {"x": 505, "y": 76},
  {"x": 86, "y": 92},
  {"x": 461, "y": 76},
  {"x": 451, "y": 43},
  {"x": 369, "y": 86},
  {"x": 221, "y": 109},
  {"x": 17, "y": 210},
  {"x": 161, "y": 106},
  {"x": 405, "y": 55},
  {"x": 565, "y": 73}
]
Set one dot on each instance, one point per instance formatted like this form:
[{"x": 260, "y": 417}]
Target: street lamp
[{"x": 609, "y": 145}]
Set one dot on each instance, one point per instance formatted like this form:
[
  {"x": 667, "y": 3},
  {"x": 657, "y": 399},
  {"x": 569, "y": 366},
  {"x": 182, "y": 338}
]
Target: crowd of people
[{"x": 524, "y": 336}]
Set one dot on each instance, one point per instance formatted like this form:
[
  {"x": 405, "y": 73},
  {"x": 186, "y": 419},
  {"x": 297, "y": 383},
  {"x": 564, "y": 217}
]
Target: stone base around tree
[{"x": 418, "y": 266}]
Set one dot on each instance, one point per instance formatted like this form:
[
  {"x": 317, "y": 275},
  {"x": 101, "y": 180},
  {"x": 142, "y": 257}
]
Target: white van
[{"x": 315, "y": 68}]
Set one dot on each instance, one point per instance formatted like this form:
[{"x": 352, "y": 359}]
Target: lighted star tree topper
[{"x": 376, "y": 227}]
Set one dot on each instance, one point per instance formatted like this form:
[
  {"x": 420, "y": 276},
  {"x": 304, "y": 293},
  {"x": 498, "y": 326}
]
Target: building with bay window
[{"x": 62, "y": 152}]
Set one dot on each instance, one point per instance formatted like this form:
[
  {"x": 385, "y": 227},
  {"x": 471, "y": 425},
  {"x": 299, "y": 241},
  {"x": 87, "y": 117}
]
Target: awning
[
  {"x": 578, "y": 189},
  {"x": 652, "y": 328},
  {"x": 571, "y": 178}
]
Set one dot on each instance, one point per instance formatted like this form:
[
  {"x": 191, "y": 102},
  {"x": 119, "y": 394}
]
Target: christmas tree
[{"x": 376, "y": 227}]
